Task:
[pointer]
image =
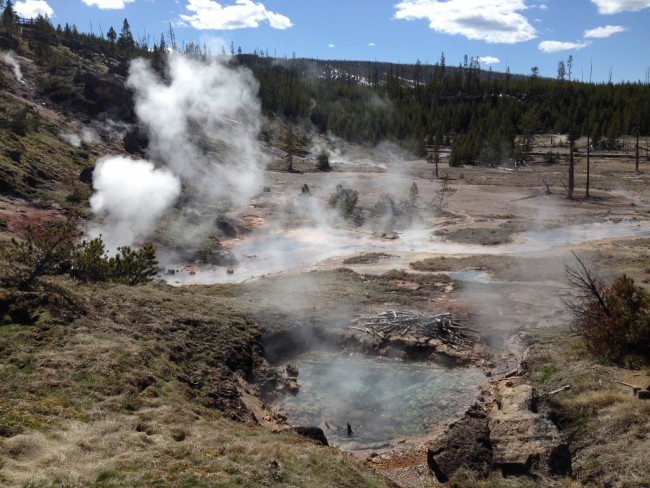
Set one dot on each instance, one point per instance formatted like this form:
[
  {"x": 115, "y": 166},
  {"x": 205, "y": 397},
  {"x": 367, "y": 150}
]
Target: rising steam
[
  {"x": 130, "y": 196},
  {"x": 8, "y": 59},
  {"x": 202, "y": 121}
]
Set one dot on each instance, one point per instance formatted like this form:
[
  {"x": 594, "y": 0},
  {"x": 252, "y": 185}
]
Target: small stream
[{"x": 381, "y": 399}]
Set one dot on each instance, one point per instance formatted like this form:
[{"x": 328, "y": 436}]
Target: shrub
[
  {"x": 133, "y": 267},
  {"x": 45, "y": 251},
  {"x": 614, "y": 321},
  {"x": 345, "y": 201},
  {"x": 90, "y": 261},
  {"x": 441, "y": 195},
  {"x": 52, "y": 250},
  {"x": 323, "y": 162},
  {"x": 386, "y": 206}
]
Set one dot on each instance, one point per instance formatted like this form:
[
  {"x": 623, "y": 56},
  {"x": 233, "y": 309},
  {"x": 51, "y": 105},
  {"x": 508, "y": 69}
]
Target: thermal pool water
[
  {"x": 277, "y": 251},
  {"x": 382, "y": 399}
]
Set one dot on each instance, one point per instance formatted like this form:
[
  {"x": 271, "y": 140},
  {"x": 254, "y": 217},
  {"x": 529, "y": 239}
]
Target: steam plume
[
  {"x": 87, "y": 136},
  {"x": 203, "y": 124},
  {"x": 130, "y": 195},
  {"x": 8, "y": 59}
]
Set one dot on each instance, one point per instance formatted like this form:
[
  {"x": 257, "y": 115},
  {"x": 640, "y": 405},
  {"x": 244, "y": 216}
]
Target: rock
[
  {"x": 313, "y": 433},
  {"x": 523, "y": 440},
  {"x": 14, "y": 155},
  {"x": 293, "y": 386},
  {"x": 465, "y": 445},
  {"x": 108, "y": 95},
  {"x": 644, "y": 395},
  {"x": 86, "y": 175},
  {"x": 226, "y": 227},
  {"x": 292, "y": 370},
  {"x": 135, "y": 141},
  {"x": 267, "y": 189}
]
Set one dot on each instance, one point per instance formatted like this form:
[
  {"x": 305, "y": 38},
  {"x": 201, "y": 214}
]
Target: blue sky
[{"x": 604, "y": 37}]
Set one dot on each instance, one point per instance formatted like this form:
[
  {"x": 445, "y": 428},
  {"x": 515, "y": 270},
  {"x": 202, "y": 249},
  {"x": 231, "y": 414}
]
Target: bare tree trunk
[
  {"x": 637, "y": 147},
  {"x": 571, "y": 183},
  {"x": 588, "y": 164}
]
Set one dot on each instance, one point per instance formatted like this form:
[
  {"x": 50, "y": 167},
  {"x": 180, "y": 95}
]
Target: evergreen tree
[
  {"x": 112, "y": 36},
  {"x": 125, "y": 41},
  {"x": 9, "y": 17}
]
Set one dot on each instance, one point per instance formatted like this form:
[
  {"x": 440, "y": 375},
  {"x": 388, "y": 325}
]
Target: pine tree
[
  {"x": 125, "y": 42},
  {"x": 9, "y": 17},
  {"x": 112, "y": 36}
]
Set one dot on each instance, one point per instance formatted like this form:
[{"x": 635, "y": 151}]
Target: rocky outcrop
[
  {"x": 509, "y": 435},
  {"x": 135, "y": 141},
  {"x": 108, "y": 95},
  {"x": 522, "y": 440},
  {"x": 465, "y": 445},
  {"x": 313, "y": 433}
]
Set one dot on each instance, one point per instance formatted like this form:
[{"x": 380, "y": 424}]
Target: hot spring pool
[{"x": 380, "y": 398}]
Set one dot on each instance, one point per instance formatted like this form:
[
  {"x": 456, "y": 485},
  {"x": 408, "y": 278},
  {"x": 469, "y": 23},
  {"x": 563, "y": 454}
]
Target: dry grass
[
  {"x": 116, "y": 451},
  {"x": 608, "y": 428},
  {"x": 119, "y": 393}
]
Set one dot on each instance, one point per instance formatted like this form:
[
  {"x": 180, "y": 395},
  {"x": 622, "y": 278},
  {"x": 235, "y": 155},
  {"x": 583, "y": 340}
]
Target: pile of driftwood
[{"x": 420, "y": 327}]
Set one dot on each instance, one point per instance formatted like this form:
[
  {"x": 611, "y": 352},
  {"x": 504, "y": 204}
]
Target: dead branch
[
  {"x": 444, "y": 327},
  {"x": 559, "y": 390},
  {"x": 627, "y": 384}
]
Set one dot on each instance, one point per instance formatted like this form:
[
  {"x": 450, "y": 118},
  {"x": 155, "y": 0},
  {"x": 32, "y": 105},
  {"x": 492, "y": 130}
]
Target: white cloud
[
  {"x": 331, "y": 46},
  {"x": 30, "y": 9},
  {"x": 107, "y": 4},
  {"x": 208, "y": 14},
  {"x": 371, "y": 44},
  {"x": 608, "y": 7},
  {"x": 492, "y": 21},
  {"x": 543, "y": 7},
  {"x": 556, "y": 46},
  {"x": 604, "y": 32},
  {"x": 488, "y": 60}
]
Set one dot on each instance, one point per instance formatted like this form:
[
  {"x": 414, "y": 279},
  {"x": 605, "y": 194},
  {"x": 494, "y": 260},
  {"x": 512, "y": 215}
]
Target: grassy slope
[
  {"x": 609, "y": 429},
  {"x": 130, "y": 387}
]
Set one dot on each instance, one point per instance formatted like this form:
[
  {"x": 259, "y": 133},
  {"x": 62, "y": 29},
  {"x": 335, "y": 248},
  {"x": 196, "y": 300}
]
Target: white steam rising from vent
[
  {"x": 8, "y": 59},
  {"x": 202, "y": 120},
  {"x": 203, "y": 124},
  {"x": 130, "y": 196}
]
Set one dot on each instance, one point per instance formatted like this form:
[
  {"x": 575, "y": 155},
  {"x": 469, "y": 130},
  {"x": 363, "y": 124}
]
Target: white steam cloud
[
  {"x": 130, "y": 196},
  {"x": 202, "y": 120},
  {"x": 8, "y": 59},
  {"x": 87, "y": 136},
  {"x": 203, "y": 124}
]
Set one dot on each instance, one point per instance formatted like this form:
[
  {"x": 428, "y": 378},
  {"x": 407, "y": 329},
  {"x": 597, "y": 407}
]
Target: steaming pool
[
  {"x": 277, "y": 251},
  {"x": 382, "y": 399}
]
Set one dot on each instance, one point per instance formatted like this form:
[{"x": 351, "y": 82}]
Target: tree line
[{"x": 485, "y": 116}]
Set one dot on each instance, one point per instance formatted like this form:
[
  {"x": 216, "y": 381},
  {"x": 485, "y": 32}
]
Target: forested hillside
[{"x": 479, "y": 112}]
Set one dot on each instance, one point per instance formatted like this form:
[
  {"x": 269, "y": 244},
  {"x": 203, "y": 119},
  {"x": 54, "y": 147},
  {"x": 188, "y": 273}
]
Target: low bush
[
  {"x": 53, "y": 249},
  {"x": 614, "y": 321}
]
